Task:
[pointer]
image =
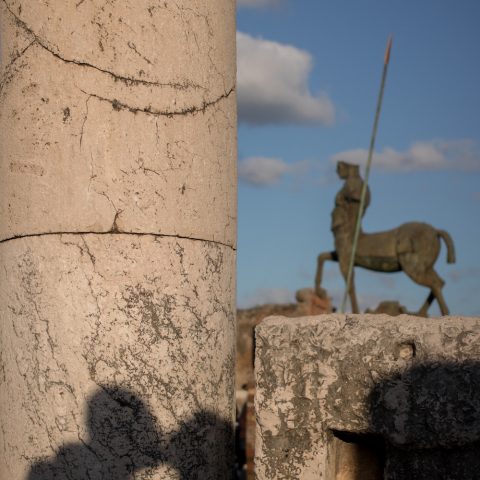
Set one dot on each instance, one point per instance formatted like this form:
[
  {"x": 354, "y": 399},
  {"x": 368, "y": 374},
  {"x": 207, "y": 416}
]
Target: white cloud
[
  {"x": 262, "y": 171},
  {"x": 257, "y": 3},
  {"x": 266, "y": 171},
  {"x": 426, "y": 155},
  {"x": 273, "y": 84}
]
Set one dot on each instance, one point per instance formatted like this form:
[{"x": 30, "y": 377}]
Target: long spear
[{"x": 367, "y": 173}]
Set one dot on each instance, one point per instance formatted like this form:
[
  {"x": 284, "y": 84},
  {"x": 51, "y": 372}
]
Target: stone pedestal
[
  {"x": 117, "y": 230},
  {"x": 342, "y": 397}
]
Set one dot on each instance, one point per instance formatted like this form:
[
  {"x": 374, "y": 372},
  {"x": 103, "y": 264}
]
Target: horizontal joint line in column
[{"x": 138, "y": 234}]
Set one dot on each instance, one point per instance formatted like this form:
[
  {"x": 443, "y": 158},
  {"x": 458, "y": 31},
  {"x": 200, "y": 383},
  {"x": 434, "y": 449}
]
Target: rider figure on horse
[{"x": 347, "y": 204}]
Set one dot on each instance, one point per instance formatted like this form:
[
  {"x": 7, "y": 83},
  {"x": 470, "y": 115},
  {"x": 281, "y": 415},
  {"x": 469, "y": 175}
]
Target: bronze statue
[{"x": 412, "y": 247}]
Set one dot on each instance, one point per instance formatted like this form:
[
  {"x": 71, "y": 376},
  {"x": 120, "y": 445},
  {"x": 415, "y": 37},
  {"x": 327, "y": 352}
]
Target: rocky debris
[{"x": 389, "y": 307}]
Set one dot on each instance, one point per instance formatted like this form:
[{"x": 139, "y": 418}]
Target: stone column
[{"x": 117, "y": 231}]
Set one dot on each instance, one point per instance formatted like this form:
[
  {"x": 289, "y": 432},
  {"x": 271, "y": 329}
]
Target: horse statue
[{"x": 412, "y": 247}]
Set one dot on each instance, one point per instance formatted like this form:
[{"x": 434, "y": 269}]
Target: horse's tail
[{"x": 449, "y": 243}]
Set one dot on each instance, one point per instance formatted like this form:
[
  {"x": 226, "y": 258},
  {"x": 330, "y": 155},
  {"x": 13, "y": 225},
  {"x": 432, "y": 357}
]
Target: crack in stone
[
  {"x": 17, "y": 56},
  {"x": 84, "y": 121},
  {"x": 114, "y": 228},
  {"x": 193, "y": 110},
  {"x": 113, "y": 232},
  {"x": 8, "y": 74},
  {"x": 133, "y": 47},
  {"x": 129, "y": 81}
]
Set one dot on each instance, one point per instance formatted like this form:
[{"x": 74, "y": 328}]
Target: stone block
[
  {"x": 91, "y": 323},
  {"x": 368, "y": 396},
  {"x": 124, "y": 115}
]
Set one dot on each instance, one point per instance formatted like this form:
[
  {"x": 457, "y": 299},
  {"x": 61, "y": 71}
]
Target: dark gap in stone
[{"x": 355, "y": 456}]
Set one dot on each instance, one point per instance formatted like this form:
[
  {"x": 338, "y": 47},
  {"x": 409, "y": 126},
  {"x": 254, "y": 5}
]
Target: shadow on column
[
  {"x": 124, "y": 438},
  {"x": 429, "y": 418}
]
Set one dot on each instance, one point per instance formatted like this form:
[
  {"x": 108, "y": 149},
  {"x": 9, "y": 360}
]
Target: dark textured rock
[
  {"x": 405, "y": 389},
  {"x": 308, "y": 303}
]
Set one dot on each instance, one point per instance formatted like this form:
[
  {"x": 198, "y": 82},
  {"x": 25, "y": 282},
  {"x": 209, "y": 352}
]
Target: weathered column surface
[
  {"x": 367, "y": 396},
  {"x": 117, "y": 231}
]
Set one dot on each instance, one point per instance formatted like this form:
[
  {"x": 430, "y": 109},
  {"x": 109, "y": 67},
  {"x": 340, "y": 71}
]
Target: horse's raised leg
[
  {"x": 322, "y": 258},
  {"x": 344, "y": 264},
  {"x": 437, "y": 291},
  {"x": 428, "y": 278}
]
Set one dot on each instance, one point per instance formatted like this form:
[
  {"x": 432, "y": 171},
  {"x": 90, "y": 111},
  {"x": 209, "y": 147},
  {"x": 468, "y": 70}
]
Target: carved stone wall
[
  {"x": 117, "y": 231},
  {"x": 343, "y": 397}
]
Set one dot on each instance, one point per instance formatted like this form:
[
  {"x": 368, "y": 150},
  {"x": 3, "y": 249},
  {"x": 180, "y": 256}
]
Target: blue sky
[{"x": 308, "y": 79}]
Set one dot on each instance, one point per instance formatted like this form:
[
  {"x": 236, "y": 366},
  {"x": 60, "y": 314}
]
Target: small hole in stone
[{"x": 406, "y": 351}]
